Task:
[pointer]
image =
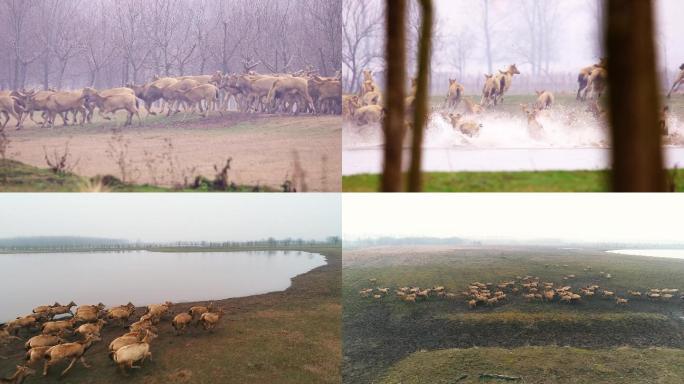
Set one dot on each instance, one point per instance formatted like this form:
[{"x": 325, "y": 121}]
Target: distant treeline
[
  {"x": 58, "y": 241},
  {"x": 562, "y": 243},
  {"x": 406, "y": 241},
  {"x": 85, "y": 243}
]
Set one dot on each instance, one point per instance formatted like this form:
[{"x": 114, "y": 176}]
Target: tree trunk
[
  {"x": 415, "y": 182},
  {"x": 24, "y": 69},
  {"x": 393, "y": 123},
  {"x": 224, "y": 57},
  {"x": 15, "y": 81},
  {"x": 46, "y": 70},
  {"x": 488, "y": 44},
  {"x": 93, "y": 77},
  {"x": 634, "y": 98}
]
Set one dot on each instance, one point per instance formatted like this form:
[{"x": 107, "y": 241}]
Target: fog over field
[
  {"x": 105, "y": 43},
  {"x": 584, "y": 218},
  {"x": 572, "y": 27},
  {"x": 178, "y": 217},
  {"x": 548, "y": 40}
]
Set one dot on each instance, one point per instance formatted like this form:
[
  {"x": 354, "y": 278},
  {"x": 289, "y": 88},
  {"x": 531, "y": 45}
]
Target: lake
[
  {"x": 669, "y": 253},
  {"x": 143, "y": 277}
]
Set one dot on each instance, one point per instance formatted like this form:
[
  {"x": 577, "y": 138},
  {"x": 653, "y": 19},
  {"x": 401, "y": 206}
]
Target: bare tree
[
  {"x": 183, "y": 48},
  {"x": 275, "y": 23},
  {"x": 68, "y": 40},
  {"x": 463, "y": 44},
  {"x": 18, "y": 15},
  {"x": 362, "y": 21},
  {"x": 63, "y": 43},
  {"x": 236, "y": 26},
  {"x": 324, "y": 19},
  {"x": 202, "y": 31},
  {"x": 130, "y": 18},
  {"x": 98, "y": 50},
  {"x": 541, "y": 21},
  {"x": 599, "y": 7},
  {"x": 163, "y": 23},
  {"x": 486, "y": 25}
]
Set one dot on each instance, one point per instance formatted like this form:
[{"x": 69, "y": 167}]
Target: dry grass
[{"x": 537, "y": 365}]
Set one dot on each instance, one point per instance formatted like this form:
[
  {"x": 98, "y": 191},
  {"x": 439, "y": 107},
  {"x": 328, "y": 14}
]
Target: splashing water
[{"x": 563, "y": 127}]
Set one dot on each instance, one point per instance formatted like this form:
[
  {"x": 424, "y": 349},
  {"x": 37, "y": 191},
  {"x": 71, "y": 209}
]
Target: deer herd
[
  {"x": 303, "y": 91},
  {"x": 528, "y": 288},
  {"x": 366, "y": 107},
  {"x": 55, "y": 333}
]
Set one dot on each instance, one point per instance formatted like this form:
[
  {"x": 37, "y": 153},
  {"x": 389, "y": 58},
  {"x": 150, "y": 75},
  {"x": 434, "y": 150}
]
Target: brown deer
[
  {"x": 19, "y": 375},
  {"x": 678, "y": 81}
]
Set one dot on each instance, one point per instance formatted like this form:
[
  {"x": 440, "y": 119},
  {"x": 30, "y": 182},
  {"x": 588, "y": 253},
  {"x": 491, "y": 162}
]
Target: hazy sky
[
  {"x": 590, "y": 217},
  {"x": 576, "y": 31},
  {"x": 171, "y": 217}
]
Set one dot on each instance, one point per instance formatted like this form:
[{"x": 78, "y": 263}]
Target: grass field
[
  {"x": 390, "y": 341},
  {"x": 291, "y": 336},
  {"x": 534, "y": 181},
  {"x": 524, "y": 181},
  {"x": 538, "y": 365},
  {"x": 18, "y": 177}
]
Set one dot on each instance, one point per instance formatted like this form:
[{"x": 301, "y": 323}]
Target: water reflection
[{"x": 143, "y": 277}]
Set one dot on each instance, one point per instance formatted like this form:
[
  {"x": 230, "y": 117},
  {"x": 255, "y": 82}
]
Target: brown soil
[{"x": 263, "y": 148}]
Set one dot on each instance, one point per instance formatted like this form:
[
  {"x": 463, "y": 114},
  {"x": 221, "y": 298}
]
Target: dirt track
[{"x": 165, "y": 151}]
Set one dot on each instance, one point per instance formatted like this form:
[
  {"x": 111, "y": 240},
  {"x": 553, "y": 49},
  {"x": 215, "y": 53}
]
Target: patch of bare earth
[{"x": 266, "y": 149}]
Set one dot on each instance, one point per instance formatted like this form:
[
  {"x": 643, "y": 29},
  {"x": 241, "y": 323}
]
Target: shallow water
[
  {"x": 572, "y": 140},
  {"x": 143, "y": 277},
  {"x": 668, "y": 253},
  {"x": 564, "y": 127}
]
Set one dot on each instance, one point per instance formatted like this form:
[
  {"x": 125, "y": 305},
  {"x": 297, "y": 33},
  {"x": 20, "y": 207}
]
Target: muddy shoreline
[{"x": 244, "y": 331}]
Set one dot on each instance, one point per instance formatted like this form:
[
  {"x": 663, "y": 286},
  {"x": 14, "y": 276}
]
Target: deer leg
[
  {"x": 83, "y": 361},
  {"x": 4, "y": 113},
  {"x": 31, "y": 117},
  {"x": 102, "y": 115},
  {"x": 205, "y": 112},
  {"x": 168, "y": 112},
  {"x": 18, "y": 117},
  {"x": 73, "y": 361},
  {"x": 675, "y": 87},
  {"x": 147, "y": 108},
  {"x": 65, "y": 118},
  {"x": 46, "y": 366},
  {"x": 47, "y": 120}
]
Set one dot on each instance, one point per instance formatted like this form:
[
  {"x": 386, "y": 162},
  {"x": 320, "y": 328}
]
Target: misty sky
[
  {"x": 171, "y": 217},
  {"x": 585, "y": 217},
  {"x": 576, "y": 31}
]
